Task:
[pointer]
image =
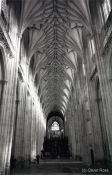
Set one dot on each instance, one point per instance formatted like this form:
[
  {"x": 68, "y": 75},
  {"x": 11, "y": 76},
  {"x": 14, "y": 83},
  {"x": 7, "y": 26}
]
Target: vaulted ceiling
[{"x": 51, "y": 33}]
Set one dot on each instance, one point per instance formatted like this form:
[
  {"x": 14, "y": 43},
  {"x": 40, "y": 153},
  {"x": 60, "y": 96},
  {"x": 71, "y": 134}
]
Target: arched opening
[
  {"x": 25, "y": 44},
  {"x": 31, "y": 68},
  {"x": 32, "y": 63},
  {"x": 36, "y": 80},
  {"x": 16, "y": 6},
  {"x": 55, "y": 125},
  {"x": 55, "y": 143},
  {"x": 55, "y": 128}
]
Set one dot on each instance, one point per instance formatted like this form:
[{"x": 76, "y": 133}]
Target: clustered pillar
[
  {"x": 22, "y": 121},
  {"x": 30, "y": 129}
]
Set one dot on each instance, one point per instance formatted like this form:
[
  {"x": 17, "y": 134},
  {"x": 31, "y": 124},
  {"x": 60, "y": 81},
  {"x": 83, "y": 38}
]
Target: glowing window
[
  {"x": 55, "y": 126},
  {"x": 92, "y": 47},
  {"x": 84, "y": 71},
  {"x": 106, "y": 8}
]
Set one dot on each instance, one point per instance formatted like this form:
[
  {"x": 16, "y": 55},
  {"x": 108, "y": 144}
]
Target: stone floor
[{"x": 57, "y": 168}]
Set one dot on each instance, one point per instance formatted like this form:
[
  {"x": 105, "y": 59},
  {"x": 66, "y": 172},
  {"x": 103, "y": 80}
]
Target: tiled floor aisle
[
  {"x": 55, "y": 168},
  {"x": 52, "y": 168}
]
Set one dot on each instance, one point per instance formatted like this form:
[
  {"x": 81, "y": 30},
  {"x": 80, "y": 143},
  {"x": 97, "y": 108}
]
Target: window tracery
[
  {"x": 55, "y": 126},
  {"x": 91, "y": 47},
  {"x": 106, "y": 9}
]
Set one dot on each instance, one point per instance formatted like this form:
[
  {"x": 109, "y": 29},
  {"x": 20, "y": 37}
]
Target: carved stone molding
[
  {"x": 93, "y": 72},
  {"x": 20, "y": 76},
  {"x": 5, "y": 43},
  {"x": 107, "y": 42}
]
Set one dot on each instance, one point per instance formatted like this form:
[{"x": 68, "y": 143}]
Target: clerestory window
[
  {"x": 106, "y": 7},
  {"x": 91, "y": 47}
]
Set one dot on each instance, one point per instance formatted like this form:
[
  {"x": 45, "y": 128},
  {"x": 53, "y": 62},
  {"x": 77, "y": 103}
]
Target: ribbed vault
[{"x": 51, "y": 32}]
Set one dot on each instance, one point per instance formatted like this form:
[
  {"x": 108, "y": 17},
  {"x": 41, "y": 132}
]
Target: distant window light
[
  {"x": 55, "y": 126},
  {"x": 101, "y": 14},
  {"x": 106, "y": 8},
  {"x": 84, "y": 71},
  {"x": 91, "y": 47}
]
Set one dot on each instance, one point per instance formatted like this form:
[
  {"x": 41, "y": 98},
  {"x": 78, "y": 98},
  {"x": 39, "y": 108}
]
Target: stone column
[
  {"x": 82, "y": 115},
  {"x": 106, "y": 90},
  {"x": 27, "y": 129},
  {"x": 2, "y": 84},
  {"x": 33, "y": 133},
  {"x": 73, "y": 132},
  {"x": 7, "y": 113},
  {"x": 19, "y": 137}
]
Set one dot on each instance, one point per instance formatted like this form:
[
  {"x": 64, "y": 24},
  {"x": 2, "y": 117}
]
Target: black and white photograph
[{"x": 55, "y": 87}]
